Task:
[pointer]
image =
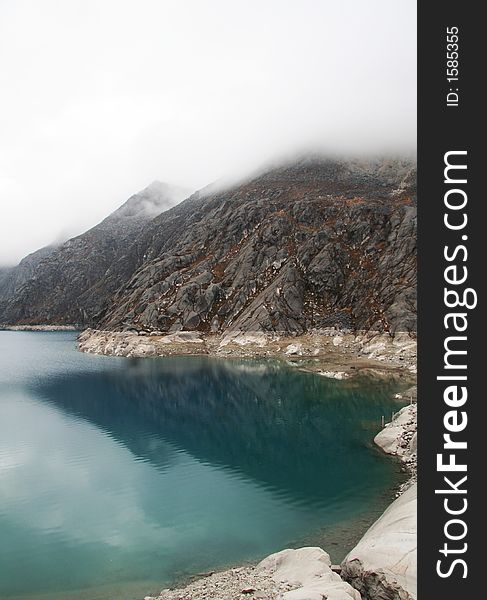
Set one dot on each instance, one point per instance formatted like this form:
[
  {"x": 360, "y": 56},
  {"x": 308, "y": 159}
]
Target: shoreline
[
  {"x": 39, "y": 328},
  {"x": 334, "y": 354}
]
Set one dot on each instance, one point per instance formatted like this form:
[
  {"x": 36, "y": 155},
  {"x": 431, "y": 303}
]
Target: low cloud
[{"x": 100, "y": 99}]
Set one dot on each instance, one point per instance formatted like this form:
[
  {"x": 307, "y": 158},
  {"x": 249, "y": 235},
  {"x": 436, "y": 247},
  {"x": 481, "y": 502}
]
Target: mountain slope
[
  {"x": 309, "y": 245},
  {"x": 13, "y": 278},
  {"x": 67, "y": 285}
]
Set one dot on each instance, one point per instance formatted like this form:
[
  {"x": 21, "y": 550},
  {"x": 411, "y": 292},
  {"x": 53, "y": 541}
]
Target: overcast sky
[{"x": 101, "y": 97}]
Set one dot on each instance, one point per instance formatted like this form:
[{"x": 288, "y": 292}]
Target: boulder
[
  {"x": 396, "y": 435},
  {"x": 310, "y": 570},
  {"x": 383, "y": 565}
]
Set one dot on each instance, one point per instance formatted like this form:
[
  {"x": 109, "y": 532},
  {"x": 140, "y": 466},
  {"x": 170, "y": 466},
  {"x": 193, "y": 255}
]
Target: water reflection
[
  {"x": 131, "y": 472},
  {"x": 288, "y": 430}
]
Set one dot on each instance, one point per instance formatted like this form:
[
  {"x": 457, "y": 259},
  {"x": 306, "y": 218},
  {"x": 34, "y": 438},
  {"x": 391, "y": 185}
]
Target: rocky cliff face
[
  {"x": 12, "y": 279},
  {"x": 68, "y": 284},
  {"x": 308, "y": 245}
]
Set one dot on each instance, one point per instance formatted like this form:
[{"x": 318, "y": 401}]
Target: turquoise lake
[{"x": 119, "y": 477}]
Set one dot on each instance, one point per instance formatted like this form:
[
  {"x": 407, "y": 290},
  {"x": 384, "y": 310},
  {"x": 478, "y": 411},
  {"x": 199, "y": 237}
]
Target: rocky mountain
[
  {"x": 67, "y": 284},
  {"x": 13, "y": 278},
  {"x": 307, "y": 245}
]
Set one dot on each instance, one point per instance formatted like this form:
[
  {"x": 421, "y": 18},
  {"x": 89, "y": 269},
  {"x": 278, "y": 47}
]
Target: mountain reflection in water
[{"x": 117, "y": 476}]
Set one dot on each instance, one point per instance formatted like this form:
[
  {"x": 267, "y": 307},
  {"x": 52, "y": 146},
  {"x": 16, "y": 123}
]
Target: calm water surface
[{"x": 118, "y": 476}]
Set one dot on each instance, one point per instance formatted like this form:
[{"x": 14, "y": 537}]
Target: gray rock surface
[
  {"x": 307, "y": 246},
  {"x": 12, "y": 279}
]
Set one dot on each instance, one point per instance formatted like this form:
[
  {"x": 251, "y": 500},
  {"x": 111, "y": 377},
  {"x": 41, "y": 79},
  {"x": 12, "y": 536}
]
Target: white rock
[
  {"x": 333, "y": 374},
  {"x": 389, "y": 548},
  {"x": 244, "y": 339},
  {"x": 310, "y": 569},
  {"x": 413, "y": 445},
  {"x": 374, "y": 348},
  {"x": 390, "y": 438},
  {"x": 190, "y": 337},
  {"x": 294, "y": 349}
]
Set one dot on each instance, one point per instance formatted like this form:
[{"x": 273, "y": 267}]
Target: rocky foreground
[{"x": 303, "y": 574}]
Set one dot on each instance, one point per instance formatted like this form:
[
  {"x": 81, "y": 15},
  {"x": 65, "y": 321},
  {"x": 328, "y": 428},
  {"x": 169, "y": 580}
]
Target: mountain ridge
[{"x": 309, "y": 244}]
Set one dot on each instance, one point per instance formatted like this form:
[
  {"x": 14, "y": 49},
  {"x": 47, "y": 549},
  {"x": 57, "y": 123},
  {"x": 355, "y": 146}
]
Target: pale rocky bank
[
  {"x": 383, "y": 565},
  {"x": 38, "y": 328},
  {"x": 330, "y": 353}
]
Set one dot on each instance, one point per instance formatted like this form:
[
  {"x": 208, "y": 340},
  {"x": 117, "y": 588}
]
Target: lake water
[{"x": 121, "y": 476}]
